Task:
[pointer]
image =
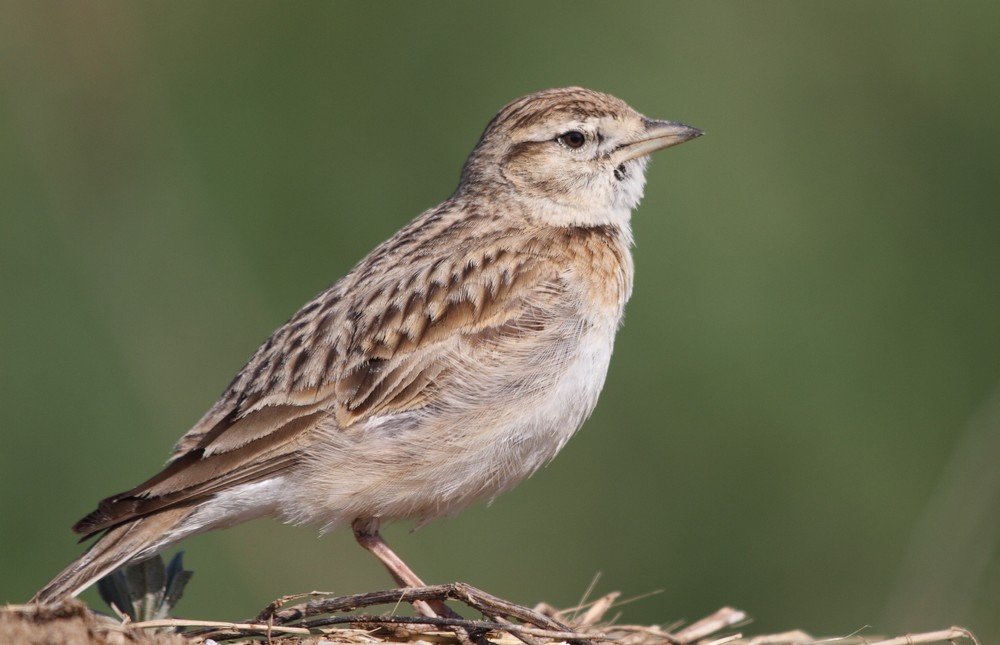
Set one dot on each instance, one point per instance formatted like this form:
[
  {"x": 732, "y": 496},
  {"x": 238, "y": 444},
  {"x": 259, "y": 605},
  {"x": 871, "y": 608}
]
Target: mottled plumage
[{"x": 448, "y": 365}]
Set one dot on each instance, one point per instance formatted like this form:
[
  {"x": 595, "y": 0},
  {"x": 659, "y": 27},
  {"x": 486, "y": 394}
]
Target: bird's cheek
[
  {"x": 560, "y": 185},
  {"x": 526, "y": 168}
]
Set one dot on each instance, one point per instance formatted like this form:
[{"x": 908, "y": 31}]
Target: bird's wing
[{"x": 341, "y": 360}]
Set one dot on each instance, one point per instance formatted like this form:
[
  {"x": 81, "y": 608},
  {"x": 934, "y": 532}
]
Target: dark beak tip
[
  {"x": 683, "y": 131},
  {"x": 693, "y": 132}
]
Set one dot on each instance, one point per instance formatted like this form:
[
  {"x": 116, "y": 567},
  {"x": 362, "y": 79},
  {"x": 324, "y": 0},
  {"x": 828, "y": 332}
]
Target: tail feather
[{"x": 138, "y": 539}]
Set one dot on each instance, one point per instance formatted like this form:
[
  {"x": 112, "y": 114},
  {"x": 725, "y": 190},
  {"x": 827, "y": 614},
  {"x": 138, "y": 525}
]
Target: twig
[
  {"x": 723, "y": 618},
  {"x": 224, "y": 630},
  {"x": 476, "y": 599},
  {"x": 931, "y": 637},
  {"x": 219, "y": 624},
  {"x": 476, "y": 625}
]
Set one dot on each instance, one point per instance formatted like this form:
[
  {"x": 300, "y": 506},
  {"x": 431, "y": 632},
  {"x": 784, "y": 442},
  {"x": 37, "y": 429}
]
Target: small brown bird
[{"x": 447, "y": 366}]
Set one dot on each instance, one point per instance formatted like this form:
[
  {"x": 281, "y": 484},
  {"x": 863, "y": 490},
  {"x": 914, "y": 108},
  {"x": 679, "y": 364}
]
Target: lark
[{"x": 451, "y": 363}]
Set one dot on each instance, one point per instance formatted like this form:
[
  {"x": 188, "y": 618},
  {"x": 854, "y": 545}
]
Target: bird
[{"x": 447, "y": 366}]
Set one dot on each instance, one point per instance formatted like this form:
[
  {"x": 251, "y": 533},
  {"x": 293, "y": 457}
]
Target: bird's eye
[{"x": 573, "y": 138}]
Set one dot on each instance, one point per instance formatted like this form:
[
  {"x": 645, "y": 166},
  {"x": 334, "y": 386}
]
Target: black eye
[{"x": 573, "y": 138}]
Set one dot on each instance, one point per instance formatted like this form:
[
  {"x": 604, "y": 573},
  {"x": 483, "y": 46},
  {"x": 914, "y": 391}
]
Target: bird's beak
[{"x": 656, "y": 136}]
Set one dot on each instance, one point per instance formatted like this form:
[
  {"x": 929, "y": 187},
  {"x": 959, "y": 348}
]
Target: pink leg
[{"x": 367, "y": 535}]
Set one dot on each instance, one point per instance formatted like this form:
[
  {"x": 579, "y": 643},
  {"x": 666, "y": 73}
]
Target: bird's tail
[{"x": 139, "y": 539}]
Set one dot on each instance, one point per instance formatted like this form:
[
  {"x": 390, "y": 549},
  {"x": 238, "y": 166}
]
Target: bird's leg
[{"x": 367, "y": 535}]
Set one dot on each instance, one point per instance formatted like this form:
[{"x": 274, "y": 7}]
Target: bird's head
[{"x": 574, "y": 156}]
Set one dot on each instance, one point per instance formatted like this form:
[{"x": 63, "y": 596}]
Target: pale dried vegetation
[{"x": 318, "y": 618}]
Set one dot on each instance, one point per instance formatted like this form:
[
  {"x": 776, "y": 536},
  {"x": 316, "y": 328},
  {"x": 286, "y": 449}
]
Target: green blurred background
[{"x": 789, "y": 421}]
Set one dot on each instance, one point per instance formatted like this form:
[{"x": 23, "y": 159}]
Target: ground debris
[
  {"x": 73, "y": 623},
  {"x": 329, "y": 620}
]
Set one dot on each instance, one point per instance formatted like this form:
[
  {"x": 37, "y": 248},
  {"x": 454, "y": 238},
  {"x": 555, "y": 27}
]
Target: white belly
[
  {"x": 548, "y": 425},
  {"x": 426, "y": 464}
]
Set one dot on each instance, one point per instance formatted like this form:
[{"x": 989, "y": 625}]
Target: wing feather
[
  {"x": 196, "y": 475},
  {"x": 340, "y": 360}
]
